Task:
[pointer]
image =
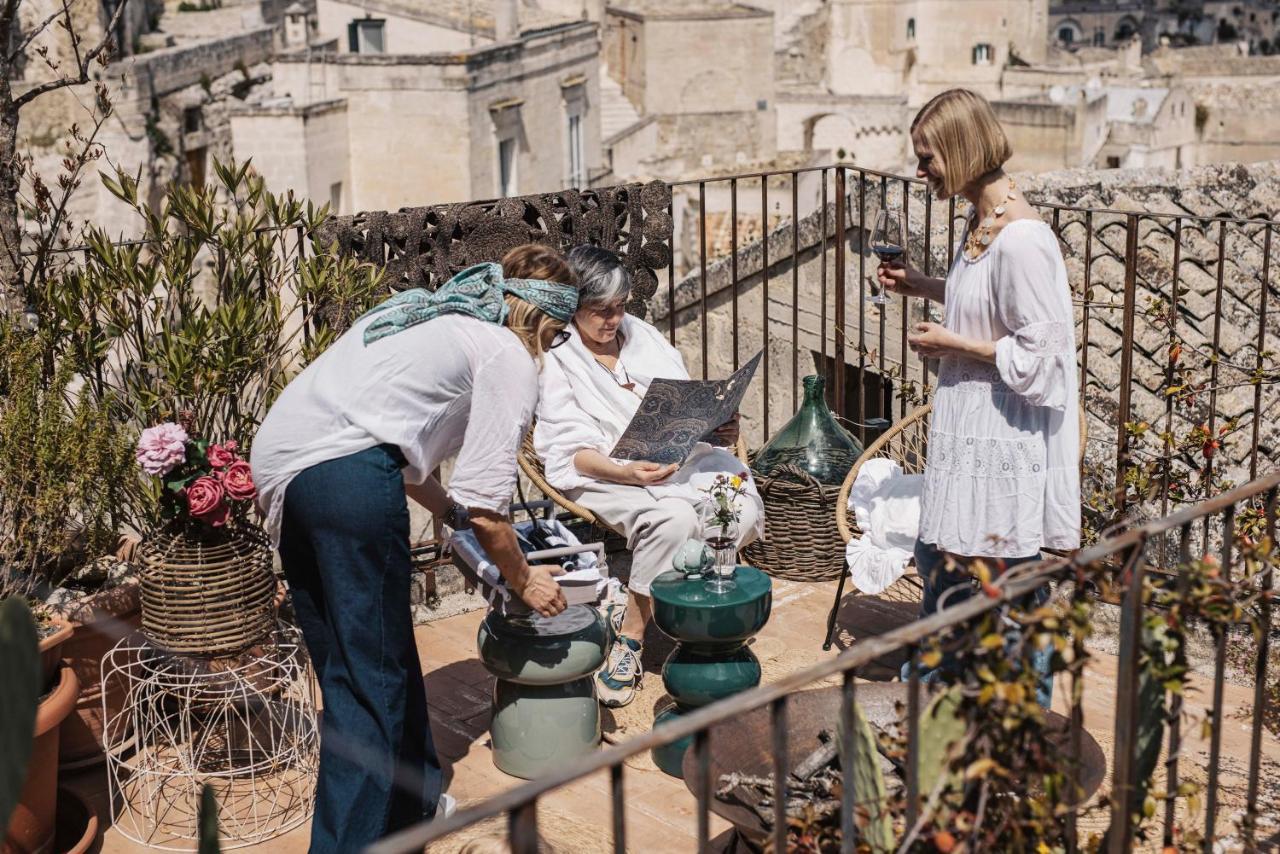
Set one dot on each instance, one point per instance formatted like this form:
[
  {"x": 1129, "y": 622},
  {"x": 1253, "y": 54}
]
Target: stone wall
[
  {"x": 1213, "y": 63},
  {"x": 1237, "y": 122},
  {"x": 302, "y": 149},
  {"x": 664, "y": 65},
  {"x": 170, "y": 69},
  {"x": 872, "y": 132}
]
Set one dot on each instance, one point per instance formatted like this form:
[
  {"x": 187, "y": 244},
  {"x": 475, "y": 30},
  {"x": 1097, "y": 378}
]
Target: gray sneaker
[{"x": 617, "y": 680}]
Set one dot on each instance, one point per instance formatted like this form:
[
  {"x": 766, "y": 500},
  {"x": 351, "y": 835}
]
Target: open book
[{"x": 675, "y": 415}]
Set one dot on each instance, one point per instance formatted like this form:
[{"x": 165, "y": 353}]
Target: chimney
[{"x": 506, "y": 20}]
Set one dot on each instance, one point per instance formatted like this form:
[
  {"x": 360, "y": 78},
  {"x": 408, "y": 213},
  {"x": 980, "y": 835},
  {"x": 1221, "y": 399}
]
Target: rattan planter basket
[
  {"x": 801, "y": 542},
  {"x": 206, "y": 593}
]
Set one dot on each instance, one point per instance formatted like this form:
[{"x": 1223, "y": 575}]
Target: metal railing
[
  {"x": 1120, "y": 262},
  {"x": 764, "y": 289},
  {"x": 789, "y": 291},
  {"x": 1128, "y": 549}
]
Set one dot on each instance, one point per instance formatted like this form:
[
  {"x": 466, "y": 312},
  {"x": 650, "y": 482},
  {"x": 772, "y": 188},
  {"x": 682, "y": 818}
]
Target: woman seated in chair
[{"x": 591, "y": 385}]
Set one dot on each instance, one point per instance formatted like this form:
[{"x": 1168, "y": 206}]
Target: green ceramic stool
[
  {"x": 545, "y": 710},
  {"x": 711, "y": 660}
]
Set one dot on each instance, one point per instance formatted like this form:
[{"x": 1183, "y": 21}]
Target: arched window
[
  {"x": 1066, "y": 35},
  {"x": 983, "y": 54},
  {"x": 911, "y": 28}
]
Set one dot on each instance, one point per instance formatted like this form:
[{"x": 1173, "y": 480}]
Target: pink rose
[
  {"x": 205, "y": 501},
  {"x": 238, "y": 481},
  {"x": 221, "y": 456},
  {"x": 162, "y": 448}
]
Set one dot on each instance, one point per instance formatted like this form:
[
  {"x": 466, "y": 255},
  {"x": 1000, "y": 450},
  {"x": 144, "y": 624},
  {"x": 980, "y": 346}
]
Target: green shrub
[
  {"x": 64, "y": 463},
  {"x": 207, "y": 318}
]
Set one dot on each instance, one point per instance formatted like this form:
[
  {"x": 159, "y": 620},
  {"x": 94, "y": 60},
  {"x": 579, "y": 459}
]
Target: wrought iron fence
[
  {"x": 1157, "y": 294},
  {"x": 1150, "y": 289},
  {"x": 1127, "y": 550}
]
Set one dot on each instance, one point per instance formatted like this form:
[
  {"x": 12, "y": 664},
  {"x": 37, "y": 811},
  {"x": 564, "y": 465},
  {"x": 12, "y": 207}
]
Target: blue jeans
[
  {"x": 344, "y": 544},
  {"x": 956, "y": 586}
]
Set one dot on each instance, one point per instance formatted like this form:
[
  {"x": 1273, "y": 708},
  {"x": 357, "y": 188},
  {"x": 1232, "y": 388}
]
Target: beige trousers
[{"x": 655, "y": 528}]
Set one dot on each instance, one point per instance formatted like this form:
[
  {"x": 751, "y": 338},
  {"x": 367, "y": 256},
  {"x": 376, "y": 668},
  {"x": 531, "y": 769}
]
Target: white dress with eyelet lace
[{"x": 1002, "y": 476}]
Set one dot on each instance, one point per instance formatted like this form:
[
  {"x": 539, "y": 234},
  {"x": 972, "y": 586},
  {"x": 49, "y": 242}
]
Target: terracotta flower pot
[
  {"x": 51, "y": 650},
  {"x": 77, "y": 824},
  {"x": 32, "y": 825},
  {"x": 99, "y": 622}
]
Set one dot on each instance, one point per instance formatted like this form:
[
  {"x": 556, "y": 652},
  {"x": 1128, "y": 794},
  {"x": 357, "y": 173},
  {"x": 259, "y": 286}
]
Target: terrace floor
[{"x": 660, "y": 810}]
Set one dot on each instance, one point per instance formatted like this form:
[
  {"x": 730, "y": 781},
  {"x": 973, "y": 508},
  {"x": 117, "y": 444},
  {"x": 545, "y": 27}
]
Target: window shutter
[{"x": 353, "y": 37}]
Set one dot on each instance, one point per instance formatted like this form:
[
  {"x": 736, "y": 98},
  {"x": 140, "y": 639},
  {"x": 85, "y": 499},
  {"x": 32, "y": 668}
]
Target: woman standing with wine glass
[{"x": 1002, "y": 476}]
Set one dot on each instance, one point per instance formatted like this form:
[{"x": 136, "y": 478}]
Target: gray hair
[{"x": 601, "y": 277}]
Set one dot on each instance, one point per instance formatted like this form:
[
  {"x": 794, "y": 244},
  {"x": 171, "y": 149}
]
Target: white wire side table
[{"x": 245, "y": 725}]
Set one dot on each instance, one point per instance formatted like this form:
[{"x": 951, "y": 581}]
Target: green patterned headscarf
[{"x": 476, "y": 291}]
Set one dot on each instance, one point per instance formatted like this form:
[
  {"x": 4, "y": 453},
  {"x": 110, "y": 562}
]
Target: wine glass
[
  {"x": 721, "y": 535},
  {"x": 888, "y": 243}
]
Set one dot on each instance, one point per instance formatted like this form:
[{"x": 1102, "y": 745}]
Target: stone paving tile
[{"x": 660, "y": 811}]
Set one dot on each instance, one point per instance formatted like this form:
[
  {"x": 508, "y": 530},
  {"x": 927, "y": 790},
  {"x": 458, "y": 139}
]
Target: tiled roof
[{"x": 1190, "y": 197}]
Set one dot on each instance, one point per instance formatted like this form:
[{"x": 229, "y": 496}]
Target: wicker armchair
[
  {"x": 905, "y": 442},
  {"x": 532, "y": 467}
]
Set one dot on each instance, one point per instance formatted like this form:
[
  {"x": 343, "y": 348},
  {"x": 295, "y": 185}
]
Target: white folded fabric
[{"x": 886, "y": 504}]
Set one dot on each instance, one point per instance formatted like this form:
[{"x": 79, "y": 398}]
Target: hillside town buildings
[{"x": 378, "y": 104}]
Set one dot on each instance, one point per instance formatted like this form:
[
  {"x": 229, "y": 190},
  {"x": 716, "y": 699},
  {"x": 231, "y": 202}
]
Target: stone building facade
[
  {"x": 1180, "y": 22},
  {"x": 703, "y": 108},
  {"x": 170, "y": 90},
  {"x": 379, "y": 131}
]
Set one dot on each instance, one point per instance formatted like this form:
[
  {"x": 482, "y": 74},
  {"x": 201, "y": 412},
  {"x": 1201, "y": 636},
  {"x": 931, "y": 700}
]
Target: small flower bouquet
[
  {"x": 204, "y": 483},
  {"x": 719, "y": 515},
  {"x": 722, "y": 496}
]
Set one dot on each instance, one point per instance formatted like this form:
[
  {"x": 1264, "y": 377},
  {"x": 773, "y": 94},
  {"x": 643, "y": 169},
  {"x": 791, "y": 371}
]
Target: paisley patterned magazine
[{"x": 675, "y": 415}]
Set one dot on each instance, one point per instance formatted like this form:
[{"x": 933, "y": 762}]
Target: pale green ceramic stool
[{"x": 545, "y": 711}]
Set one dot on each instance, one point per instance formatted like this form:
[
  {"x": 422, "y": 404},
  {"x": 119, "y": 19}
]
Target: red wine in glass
[{"x": 887, "y": 243}]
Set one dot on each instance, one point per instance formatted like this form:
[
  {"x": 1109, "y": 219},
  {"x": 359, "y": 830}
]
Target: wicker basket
[
  {"x": 801, "y": 542},
  {"x": 208, "y": 594}
]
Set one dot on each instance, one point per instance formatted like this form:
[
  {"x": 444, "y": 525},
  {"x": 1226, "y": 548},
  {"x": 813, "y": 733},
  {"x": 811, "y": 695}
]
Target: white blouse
[
  {"x": 583, "y": 405},
  {"x": 454, "y": 384},
  {"x": 1002, "y": 477}
]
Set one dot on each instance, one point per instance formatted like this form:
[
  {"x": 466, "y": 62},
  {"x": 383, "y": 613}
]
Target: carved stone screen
[{"x": 424, "y": 247}]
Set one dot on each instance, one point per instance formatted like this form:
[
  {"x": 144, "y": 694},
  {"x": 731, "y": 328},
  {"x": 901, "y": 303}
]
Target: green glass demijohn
[{"x": 812, "y": 440}]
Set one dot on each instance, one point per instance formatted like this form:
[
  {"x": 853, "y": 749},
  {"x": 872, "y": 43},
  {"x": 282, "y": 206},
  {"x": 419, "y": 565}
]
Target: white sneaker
[
  {"x": 617, "y": 680},
  {"x": 446, "y": 806}
]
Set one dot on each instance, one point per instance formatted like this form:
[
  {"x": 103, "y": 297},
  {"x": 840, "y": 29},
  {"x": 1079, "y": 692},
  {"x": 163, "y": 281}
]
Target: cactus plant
[
  {"x": 20, "y": 675},
  {"x": 208, "y": 823},
  {"x": 868, "y": 781},
  {"x": 941, "y": 726}
]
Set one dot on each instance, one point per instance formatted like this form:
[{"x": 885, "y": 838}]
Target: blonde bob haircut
[
  {"x": 962, "y": 131},
  {"x": 534, "y": 327}
]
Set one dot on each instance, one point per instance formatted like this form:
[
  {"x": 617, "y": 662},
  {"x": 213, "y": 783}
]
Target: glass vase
[
  {"x": 721, "y": 536},
  {"x": 812, "y": 441}
]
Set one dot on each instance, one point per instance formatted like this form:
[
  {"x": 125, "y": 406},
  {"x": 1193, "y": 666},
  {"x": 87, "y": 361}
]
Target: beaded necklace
[{"x": 981, "y": 235}]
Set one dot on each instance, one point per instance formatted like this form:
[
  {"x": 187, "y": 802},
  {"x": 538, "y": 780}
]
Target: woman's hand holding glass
[{"x": 900, "y": 278}]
